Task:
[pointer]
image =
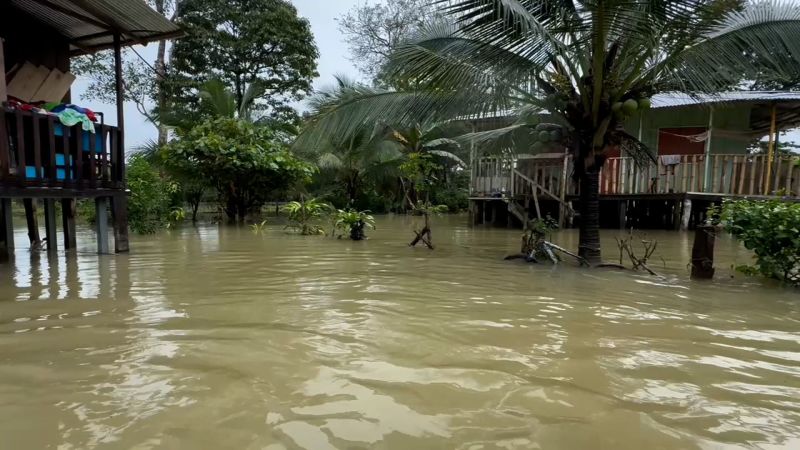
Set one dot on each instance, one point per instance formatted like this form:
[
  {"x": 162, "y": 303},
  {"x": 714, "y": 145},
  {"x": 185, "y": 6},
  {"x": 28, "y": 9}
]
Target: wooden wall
[{"x": 29, "y": 40}]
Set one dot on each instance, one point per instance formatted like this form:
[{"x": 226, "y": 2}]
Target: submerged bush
[
  {"x": 304, "y": 216},
  {"x": 354, "y": 222},
  {"x": 149, "y": 205},
  {"x": 771, "y": 229}
]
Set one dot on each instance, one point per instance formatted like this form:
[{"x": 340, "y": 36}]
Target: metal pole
[
  {"x": 707, "y": 169},
  {"x": 770, "y": 149}
]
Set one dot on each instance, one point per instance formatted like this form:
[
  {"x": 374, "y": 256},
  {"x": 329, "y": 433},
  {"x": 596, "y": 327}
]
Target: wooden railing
[
  {"x": 721, "y": 174},
  {"x": 38, "y": 151},
  {"x": 491, "y": 176}
]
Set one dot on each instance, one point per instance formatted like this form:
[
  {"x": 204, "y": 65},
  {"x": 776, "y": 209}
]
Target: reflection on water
[{"x": 218, "y": 338}]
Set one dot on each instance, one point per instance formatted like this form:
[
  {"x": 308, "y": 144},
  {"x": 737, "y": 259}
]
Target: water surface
[{"x": 214, "y": 337}]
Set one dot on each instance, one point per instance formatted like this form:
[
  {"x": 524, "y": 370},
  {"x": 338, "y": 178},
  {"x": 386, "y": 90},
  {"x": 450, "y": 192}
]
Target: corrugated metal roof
[
  {"x": 90, "y": 24},
  {"x": 675, "y": 99}
]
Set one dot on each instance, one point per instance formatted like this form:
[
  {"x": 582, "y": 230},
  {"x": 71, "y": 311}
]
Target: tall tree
[
  {"x": 243, "y": 42},
  {"x": 590, "y": 64},
  {"x": 373, "y": 32}
]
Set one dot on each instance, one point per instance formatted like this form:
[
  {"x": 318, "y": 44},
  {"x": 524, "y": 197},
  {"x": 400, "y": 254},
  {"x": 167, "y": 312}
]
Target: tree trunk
[
  {"x": 161, "y": 75},
  {"x": 589, "y": 237}
]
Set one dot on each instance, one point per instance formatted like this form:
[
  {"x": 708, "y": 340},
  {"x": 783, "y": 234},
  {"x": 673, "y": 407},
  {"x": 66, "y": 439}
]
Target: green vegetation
[
  {"x": 305, "y": 216},
  {"x": 354, "y": 222},
  {"x": 243, "y": 162},
  {"x": 771, "y": 229},
  {"x": 589, "y": 66},
  {"x": 150, "y": 205}
]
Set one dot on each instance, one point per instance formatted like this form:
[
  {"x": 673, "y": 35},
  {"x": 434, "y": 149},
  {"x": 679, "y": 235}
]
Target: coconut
[
  {"x": 555, "y": 135},
  {"x": 616, "y": 107},
  {"x": 630, "y": 106},
  {"x": 537, "y": 146},
  {"x": 544, "y": 136},
  {"x": 644, "y": 103},
  {"x": 541, "y": 127}
]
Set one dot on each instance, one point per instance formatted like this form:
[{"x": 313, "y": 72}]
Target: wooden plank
[
  {"x": 788, "y": 182},
  {"x": 716, "y": 174},
  {"x": 659, "y": 166},
  {"x": 78, "y": 140},
  {"x": 742, "y": 173},
  {"x": 92, "y": 159},
  {"x": 753, "y": 171},
  {"x": 27, "y": 81},
  {"x": 776, "y": 184},
  {"x": 5, "y": 157},
  {"x": 761, "y": 167},
  {"x": 68, "y": 222},
  {"x": 729, "y": 181},
  {"x": 54, "y": 87},
  {"x": 20, "y": 146},
  {"x": 685, "y": 173},
  {"x": 37, "y": 145},
  {"x": 623, "y": 174},
  {"x": 52, "y": 172}
]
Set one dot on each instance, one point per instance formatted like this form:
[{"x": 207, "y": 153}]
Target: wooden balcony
[
  {"x": 40, "y": 157},
  {"x": 721, "y": 175}
]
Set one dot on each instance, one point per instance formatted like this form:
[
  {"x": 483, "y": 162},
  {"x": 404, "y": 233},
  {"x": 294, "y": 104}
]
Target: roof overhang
[{"x": 90, "y": 25}]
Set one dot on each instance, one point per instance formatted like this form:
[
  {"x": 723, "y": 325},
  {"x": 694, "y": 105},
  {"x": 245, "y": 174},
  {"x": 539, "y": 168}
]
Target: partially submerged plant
[
  {"x": 304, "y": 216},
  {"x": 258, "y": 228},
  {"x": 354, "y": 221},
  {"x": 425, "y": 209}
]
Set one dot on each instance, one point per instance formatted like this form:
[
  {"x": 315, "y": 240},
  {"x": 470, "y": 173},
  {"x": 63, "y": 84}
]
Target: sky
[{"x": 333, "y": 60}]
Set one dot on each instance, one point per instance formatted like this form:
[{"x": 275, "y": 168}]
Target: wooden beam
[
  {"x": 119, "y": 88},
  {"x": 770, "y": 149},
  {"x": 708, "y": 179},
  {"x": 68, "y": 222},
  {"x": 7, "y": 221},
  {"x": 3, "y": 86}
]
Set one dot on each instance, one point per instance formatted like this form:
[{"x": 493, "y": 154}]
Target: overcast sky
[{"x": 333, "y": 60}]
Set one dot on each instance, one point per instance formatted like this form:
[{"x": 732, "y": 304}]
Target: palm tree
[{"x": 590, "y": 64}]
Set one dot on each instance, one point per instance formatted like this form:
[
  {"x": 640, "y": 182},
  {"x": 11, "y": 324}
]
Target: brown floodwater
[{"x": 218, "y": 338}]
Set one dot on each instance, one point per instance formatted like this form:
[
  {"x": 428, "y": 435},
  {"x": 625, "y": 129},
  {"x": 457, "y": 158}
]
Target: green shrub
[
  {"x": 304, "y": 216},
  {"x": 771, "y": 229},
  {"x": 149, "y": 208},
  {"x": 354, "y": 222}
]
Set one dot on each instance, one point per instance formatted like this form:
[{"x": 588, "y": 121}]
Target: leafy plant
[
  {"x": 771, "y": 229},
  {"x": 354, "y": 221},
  {"x": 244, "y": 162},
  {"x": 176, "y": 216},
  {"x": 304, "y": 216},
  {"x": 258, "y": 228},
  {"x": 149, "y": 203}
]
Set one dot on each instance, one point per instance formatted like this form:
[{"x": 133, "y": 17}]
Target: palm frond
[
  {"x": 217, "y": 98},
  {"x": 759, "y": 41},
  {"x": 448, "y": 155}
]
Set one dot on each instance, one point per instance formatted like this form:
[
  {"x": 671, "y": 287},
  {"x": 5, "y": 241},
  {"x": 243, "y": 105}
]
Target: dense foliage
[
  {"x": 353, "y": 222},
  {"x": 771, "y": 229},
  {"x": 150, "y": 206},
  {"x": 245, "y": 163},
  {"x": 590, "y": 65},
  {"x": 243, "y": 42}
]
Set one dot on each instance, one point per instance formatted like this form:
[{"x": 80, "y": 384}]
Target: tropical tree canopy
[{"x": 589, "y": 64}]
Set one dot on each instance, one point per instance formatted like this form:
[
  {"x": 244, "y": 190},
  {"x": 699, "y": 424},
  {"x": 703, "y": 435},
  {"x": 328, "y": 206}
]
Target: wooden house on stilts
[{"x": 51, "y": 150}]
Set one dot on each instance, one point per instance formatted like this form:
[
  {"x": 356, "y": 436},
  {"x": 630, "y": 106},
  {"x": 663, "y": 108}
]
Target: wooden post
[
  {"x": 32, "y": 221},
  {"x": 119, "y": 88},
  {"x": 686, "y": 216},
  {"x": 623, "y": 214},
  {"x": 771, "y": 148},
  {"x": 50, "y": 225},
  {"x": 7, "y": 225},
  {"x": 703, "y": 252},
  {"x": 562, "y": 208},
  {"x": 3, "y": 86},
  {"x": 68, "y": 222},
  {"x": 101, "y": 225},
  {"x": 707, "y": 178},
  {"x": 119, "y": 213}
]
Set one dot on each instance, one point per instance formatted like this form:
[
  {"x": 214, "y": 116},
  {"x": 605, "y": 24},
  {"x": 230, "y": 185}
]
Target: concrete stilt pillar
[
  {"x": 119, "y": 212},
  {"x": 68, "y": 222},
  {"x": 50, "y": 225},
  {"x": 101, "y": 224},
  {"x": 686, "y": 217}
]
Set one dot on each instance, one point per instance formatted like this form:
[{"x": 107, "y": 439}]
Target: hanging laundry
[
  {"x": 671, "y": 160},
  {"x": 70, "y": 117},
  {"x": 88, "y": 112}
]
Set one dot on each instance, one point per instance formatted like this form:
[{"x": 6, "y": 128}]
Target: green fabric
[{"x": 70, "y": 117}]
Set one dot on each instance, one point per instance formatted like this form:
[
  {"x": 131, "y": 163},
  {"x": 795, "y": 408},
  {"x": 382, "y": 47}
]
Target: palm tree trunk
[{"x": 589, "y": 236}]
